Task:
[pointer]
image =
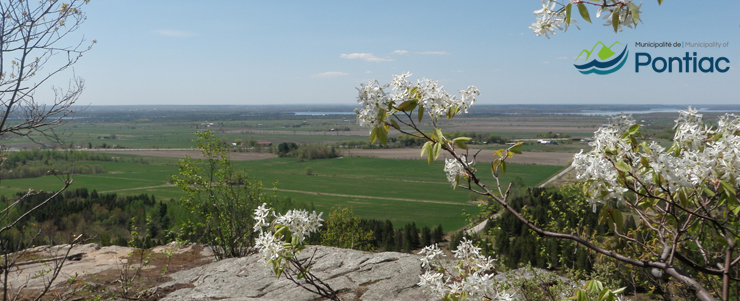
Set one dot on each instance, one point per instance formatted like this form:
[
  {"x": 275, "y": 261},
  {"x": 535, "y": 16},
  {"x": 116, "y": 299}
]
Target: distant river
[{"x": 654, "y": 110}]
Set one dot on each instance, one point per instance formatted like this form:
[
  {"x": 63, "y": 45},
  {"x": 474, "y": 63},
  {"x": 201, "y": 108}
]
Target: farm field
[{"x": 402, "y": 191}]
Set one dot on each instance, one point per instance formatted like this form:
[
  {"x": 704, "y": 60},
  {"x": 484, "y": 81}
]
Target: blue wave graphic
[
  {"x": 602, "y": 65},
  {"x": 607, "y": 71}
]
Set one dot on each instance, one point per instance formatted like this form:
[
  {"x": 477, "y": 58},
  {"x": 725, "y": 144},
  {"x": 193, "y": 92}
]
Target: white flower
[
  {"x": 430, "y": 254},
  {"x": 700, "y": 157},
  {"x": 269, "y": 247},
  {"x": 454, "y": 169},
  {"x": 260, "y": 216},
  {"x": 272, "y": 245},
  {"x": 432, "y": 281},
  {"x": 376, "y": 104},
  {"x": 546, "y": 25},
  {"x": 300, "y": 222},
  {"x": 547, "y": 8}
]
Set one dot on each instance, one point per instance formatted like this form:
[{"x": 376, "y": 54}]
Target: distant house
[{"x": 264, "y": 143}]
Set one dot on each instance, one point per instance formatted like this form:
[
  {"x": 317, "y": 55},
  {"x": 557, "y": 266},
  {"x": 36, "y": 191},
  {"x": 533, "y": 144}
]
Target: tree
[
  {"x": 221, "y": 198},
  {"x": 685, "y": 196},
  {"x": 32, "y": 33},
  {"x": 343, "y": 230},
  {"x": 34, "y": 48}
]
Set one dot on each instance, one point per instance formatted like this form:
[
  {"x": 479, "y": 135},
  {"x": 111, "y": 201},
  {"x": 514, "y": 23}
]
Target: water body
[
  {"x": 323, "y": 113},
  {"x": 653, "y": 110}
]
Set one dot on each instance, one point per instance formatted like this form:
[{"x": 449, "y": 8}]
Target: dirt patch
[
  {"x": 193, "y": 153},
  {"x": 99, "y": 271},
  {"x": 537, "y": 158}
]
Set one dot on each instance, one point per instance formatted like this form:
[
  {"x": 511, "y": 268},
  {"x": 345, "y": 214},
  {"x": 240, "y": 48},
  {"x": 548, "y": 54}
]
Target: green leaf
[
  {"x": 660, "y": 2},
  {"x": 460, "y": 142},
  {"x": 594, "y": 286},
  {"x": 503, "y": 167},
  {"x": 736, "y": 210},
  {"x": 408, "y": 106},
  {"x": 621, "y": 165},
  {"x": 728, "y": 187},
  {"x": 421, "y": 112},
  {"x": 383, "y": 135},
  {"x": 494, "y": 166},
  {"x": 373, "y": 135},
  {"x": 615, "y": 21},
  {"x": 581, "y": 296},
  {"x": 618, "y": 219},
  {"x": 645, "y": 162},
  {"x": 584, "y": 12},
  {"x": 515, "y": 147},
  {"x": 395, "y": 125},
  {"x": 431, "y": 155},
  {"x": 635, "y": 13},
  {"x": 567, "y": 13},
  {"x": 709, "y": 192},
  {"x": 635, "y": 128},
  {"x": 683, "y": 198},
  {"x": 425, "y": 148},
  {"x": 438, "y": 136},
  {"x": 437, "y": 149}
]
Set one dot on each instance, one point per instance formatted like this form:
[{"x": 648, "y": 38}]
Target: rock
[{"x": 356, "y": 275}]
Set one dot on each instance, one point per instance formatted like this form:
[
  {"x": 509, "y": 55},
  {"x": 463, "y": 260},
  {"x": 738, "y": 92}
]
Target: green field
[{"x": 403, "y": 191}]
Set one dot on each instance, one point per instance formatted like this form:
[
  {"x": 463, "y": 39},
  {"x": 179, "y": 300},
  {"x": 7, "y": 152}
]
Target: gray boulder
[{"x": 356, "y": 275}]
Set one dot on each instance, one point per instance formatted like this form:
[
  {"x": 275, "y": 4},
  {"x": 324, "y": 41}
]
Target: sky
[{"x": 318, "y": 52}]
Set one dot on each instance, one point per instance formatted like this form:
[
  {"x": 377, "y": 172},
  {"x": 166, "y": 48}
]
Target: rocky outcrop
[{"x": 356, "y": 275}]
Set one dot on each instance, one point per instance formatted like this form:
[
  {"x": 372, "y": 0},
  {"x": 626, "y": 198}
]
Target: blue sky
[{"x": 315, "y": 52}]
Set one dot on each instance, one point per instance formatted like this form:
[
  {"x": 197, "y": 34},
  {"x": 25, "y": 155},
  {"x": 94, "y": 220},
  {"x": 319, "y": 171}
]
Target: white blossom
[
  {"x": 430, "y": 253},
  {"x": 474, "y": 274},
  {"x": 454, "y": 169},
  {"x": 300, "y": 222},
  {"x": 377, "y": 102},
  {"x": 260, "y": 217},
  {"x": 546, "y": 25},
  {"x": 268, "y": 246},
  {"x": 700, "y": 157},
  {"x": 272, "y": 245}
]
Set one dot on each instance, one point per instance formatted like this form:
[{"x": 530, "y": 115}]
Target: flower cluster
[
  {"x": 625, "y": 15},
  {"x": 454, "y": 169},
  {"x": 474, "y": 274},
  {"x": 290, "y": 230},
  {"x": 549, "y": 18},
  {"x": 377, "y": 105},
  {"x": 701, "y": 156}
]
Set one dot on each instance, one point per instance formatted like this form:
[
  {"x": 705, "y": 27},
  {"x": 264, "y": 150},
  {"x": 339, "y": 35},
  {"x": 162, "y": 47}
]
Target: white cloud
[
  {"x": 368, "y": 72},
  {"x": 434, "y": 52},
  {"x": 363, "y": 56},
  {"x": 562, "y": 58},
  {"x": 457, "y": 71},
  {"x": 400, "y": 52},
  {"x": 545, "y": 62},
  {"x": 174, "y": 33},
  {"x": 329, "y": 74}
]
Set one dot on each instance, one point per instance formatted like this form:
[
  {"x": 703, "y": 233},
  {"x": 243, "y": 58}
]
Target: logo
[{"x": 607, "y": 62}]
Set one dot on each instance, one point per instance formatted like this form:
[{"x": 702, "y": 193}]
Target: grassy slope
[{"x": 355, "y": 179}]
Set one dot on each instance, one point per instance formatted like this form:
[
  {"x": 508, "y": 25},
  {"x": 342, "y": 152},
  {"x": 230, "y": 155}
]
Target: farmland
[
  {"x": 403, "y": 191},
  {"x": 378, "y": 183}
]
